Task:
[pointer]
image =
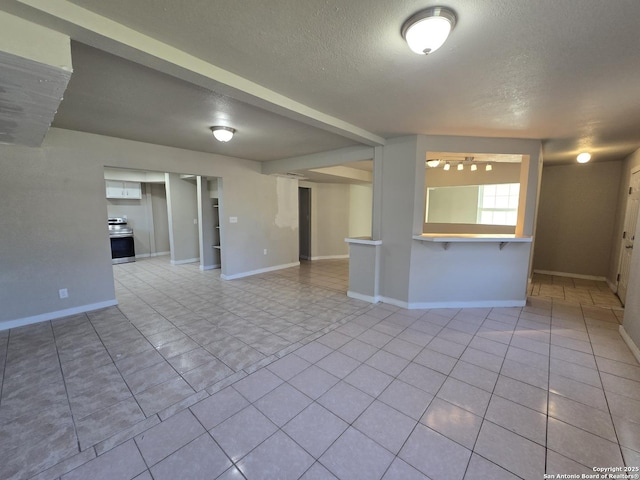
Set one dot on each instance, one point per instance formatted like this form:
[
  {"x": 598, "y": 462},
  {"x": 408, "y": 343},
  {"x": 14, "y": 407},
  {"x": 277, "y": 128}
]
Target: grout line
[{"x": 606, "y": 398}]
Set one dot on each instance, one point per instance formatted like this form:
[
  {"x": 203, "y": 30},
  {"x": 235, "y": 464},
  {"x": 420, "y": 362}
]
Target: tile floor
[
  {"x": 574, "y": 290},
  {"x": 281, "y": 376}
]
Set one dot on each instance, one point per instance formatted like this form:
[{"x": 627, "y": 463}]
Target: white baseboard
[
  {"x": 261, "y": 270},
  {"x": 147, "y": 255},
  {"x": 572, "y": 275},
  {"x": 471, "y": 304},
  {"x": 365, "y": 298},
  {"x": 454, "y": 304},
  {"x": 612, "y": 286},
  {"x": 182, "y": 262},
  {"x": 43, "y": 317},
  {"x": 394, "y": 302},
  {"x": 630, "y": 343},
  {"x": 330, "y": 257},
  {"x": 209, "y": 267}
]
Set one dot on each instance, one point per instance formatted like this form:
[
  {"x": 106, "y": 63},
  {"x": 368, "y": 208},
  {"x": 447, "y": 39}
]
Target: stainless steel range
[{"x": 121, "y": 236}]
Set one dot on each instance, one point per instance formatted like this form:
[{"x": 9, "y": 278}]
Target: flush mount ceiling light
[
  {"x": 584, "y": 157},
  {"x": 223, "y": 134},
  {"x": 433, "y": 163},
  {"x": 426, "y": 30}
]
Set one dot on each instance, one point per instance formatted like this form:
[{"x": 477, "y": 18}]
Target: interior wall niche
[{"x": 482, "y": 200}]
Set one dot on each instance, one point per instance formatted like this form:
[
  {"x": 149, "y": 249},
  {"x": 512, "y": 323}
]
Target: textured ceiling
[
  {"x": 111, "y": 96},
  {"x": 563, "y": 71}
]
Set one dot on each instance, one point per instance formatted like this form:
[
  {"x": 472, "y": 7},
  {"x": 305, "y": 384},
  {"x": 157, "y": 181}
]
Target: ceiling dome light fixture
[
  {"x": 223, "y": 134},
  {"x": 433, "y": 163},
  {"x": 584, "y": 157},
  {"x": 426, "y": 30}
]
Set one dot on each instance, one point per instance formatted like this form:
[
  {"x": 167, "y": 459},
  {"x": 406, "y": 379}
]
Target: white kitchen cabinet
[{"x": 119, "y": 189}]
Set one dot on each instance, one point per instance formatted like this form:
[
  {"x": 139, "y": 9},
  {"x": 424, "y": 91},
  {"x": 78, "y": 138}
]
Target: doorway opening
[{"x": 304, "y": 222}]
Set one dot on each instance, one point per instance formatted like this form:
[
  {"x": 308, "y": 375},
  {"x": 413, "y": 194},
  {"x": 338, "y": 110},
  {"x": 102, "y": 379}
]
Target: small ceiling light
[
  {"x": 223, "y": 134},
  {"x": 447, "y": 166},
  {"x": 460, "y": 167},
  {"x": 433, "y": 163},
  {"x": 474, "y": 167},
  {"x": 584, "y": 157},
  {"x": 489, "y": 167},
  {"x": 427, "y": 30}
]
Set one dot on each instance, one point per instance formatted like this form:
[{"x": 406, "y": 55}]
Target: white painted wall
[
  {"x": 53, "y": 211},
  {"x": 576, "y": 221}
]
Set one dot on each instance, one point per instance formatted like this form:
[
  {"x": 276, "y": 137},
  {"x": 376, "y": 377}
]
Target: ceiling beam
[
  {"x": 346, "y": 172},
  {"x": 318, "y": 160},
  {"x": 100, "y": 32}
]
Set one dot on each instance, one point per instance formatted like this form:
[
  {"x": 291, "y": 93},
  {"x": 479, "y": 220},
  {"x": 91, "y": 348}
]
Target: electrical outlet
[
  {"x": 63, "y": 293},
  {"x": 233, "y": 219},
  {"x": 265, "y": 251},
  {"x": 195, "y": 221}
]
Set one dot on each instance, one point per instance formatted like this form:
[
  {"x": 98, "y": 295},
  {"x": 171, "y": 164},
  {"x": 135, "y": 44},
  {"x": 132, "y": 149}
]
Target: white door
[{"x": 628, "y": 236}]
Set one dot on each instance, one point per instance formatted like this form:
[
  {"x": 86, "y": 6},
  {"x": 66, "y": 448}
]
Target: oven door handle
[{"x": 122, "y": 235}]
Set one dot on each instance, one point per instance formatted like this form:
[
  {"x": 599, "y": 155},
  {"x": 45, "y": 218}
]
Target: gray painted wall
[
  {"x": 182, "y": 204},
  {"x": 399, "y": 162},
  {"x": 136, "y": 212},
  {"x": 53, "y": 211},
  {"x": 501, "y": 173},
  {"x": 329, "y": 219},
  {"x": 147, "y": 217},
  {"x": 206, "y": 225},
  {"x": 406, "y": 263},
  {"x": 360, "y": 210},
  {"x": 160, "y": 216},
  {"x": 453, "y": 204},
  {"x": 576, "y": 221},
  {"x": 54, "y": 232}
]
